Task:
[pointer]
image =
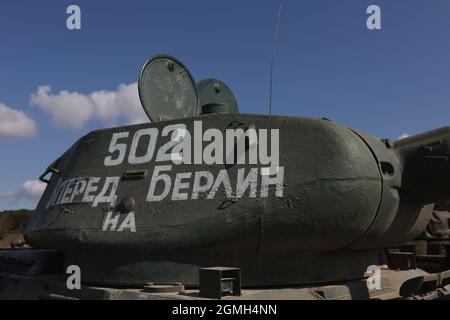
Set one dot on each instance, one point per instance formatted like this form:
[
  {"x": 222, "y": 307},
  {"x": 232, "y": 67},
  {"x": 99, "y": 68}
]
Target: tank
[{"x": 206, "y": 202}]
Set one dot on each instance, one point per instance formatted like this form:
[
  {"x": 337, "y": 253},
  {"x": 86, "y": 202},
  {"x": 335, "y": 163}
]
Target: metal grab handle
[{"x": 51, "y": 168}]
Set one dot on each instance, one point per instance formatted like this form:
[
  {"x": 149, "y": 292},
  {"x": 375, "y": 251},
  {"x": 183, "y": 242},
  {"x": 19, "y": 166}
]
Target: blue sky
[{"x": 386, "y": 82}]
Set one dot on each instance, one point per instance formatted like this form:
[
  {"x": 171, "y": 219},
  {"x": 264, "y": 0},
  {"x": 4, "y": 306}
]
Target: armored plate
[
  {"x": 213, "y": 91},
  {"x": 167, "y": 89}
]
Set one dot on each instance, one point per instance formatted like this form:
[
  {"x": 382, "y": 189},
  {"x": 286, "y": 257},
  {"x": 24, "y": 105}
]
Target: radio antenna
[{"x": 274, "y": 45}]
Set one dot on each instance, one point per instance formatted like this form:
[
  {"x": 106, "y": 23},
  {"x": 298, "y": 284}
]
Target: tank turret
[{"x": 275, "y": 201}]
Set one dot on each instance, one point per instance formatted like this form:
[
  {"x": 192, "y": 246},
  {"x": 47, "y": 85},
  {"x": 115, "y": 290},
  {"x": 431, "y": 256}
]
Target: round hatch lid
[
  {"x": 214, "y": 91},
  {"x": 167, "y": 90}
]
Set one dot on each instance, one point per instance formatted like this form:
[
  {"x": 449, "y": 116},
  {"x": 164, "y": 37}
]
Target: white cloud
[
  {"x": 68, "y": 109},
  {"x": 403, "y": 136},
  {"x": 74, "y": 110},
  {"x": 30, "y": 190},
  {"x": 33, "y": 189},
  {"x": 15, "y": 124}
]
